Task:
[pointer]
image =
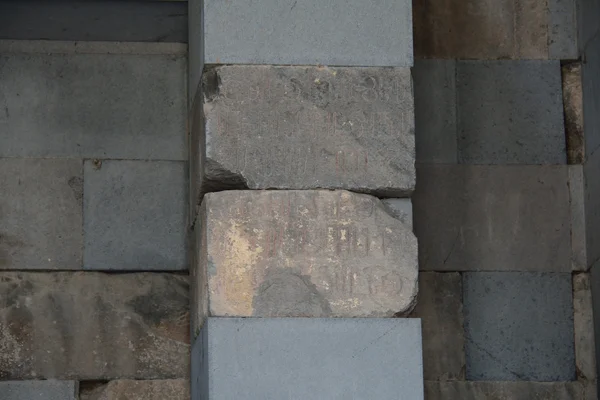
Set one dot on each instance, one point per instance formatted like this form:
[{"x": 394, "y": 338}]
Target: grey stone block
[
  {"x": 123, "y": 389},
  {"x": 494, "y": 218},
  {"x": 440, "y": 308},
  {"x": 41, "y": 214},
  {"x": 311, "y": 32},
  {"x": 39, "y": 390},
  {"x": 401, "y": 209},
  {"x": 195, "y": 48},
  {"x": 307, "y": 128},
  {"x": 519, "y": 326},
  {"x": 587, "y": 19},
  {"x": 505, "y": 390},
  {"x": 283, "y": 358},
  {"x": 92, "y": 105},
  {"x": 585, "y": 349},
  {"x": 562, "y": 30},
  {"x": 135, "y": 215},
  {"x": 510, "y": 112},
  {"x": 592, "y": 207},
  {"x": 435, "y": 111},
  {"x": 595, "y": 289},
  {"x": 591, "y": 95},
  {"x": 578, "y": 219},
  {"x": 93, "y": 326}
]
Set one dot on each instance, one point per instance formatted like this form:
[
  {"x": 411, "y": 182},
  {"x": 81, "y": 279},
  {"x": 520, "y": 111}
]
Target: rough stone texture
[
  {"x": 306, "y": 254},
  {"x": 441, "y": 311},
  {"x": 435, "y": 111},
  {"x": 585, "y": 352},
  {"x": 401, "y": 209},
  {"x": 578, "y": 220},
  {"x": 135, "y": 215},
  {"x": 519, "y": 326},
  {"x": 493, "y": 218},
  {"x": 592, "y": 207},
  {"x": 510, "y": 112},
  {"x": 573, "y": 109},
  {"x": 39, "y": 390},
  {"x": 282, "y": 358},
  {"x": 591, "y": 94},
  {"x": 505, "y": 390},
  {"x": 93, "y": 326},
  {"x": 309, "y": 127},
  {"x": 312, "y": 32},
  {"x": 40, "y": 214},
  {"x": 165, "y": 389},
  {"x": 92, "y": 105}
]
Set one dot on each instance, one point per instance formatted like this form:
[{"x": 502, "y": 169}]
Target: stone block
[
  {"x": 510, "y": 112},
  {"x": 592, "y": 207},
  {"x": 591, "y": 95},
  {"x": 435, "y": 111},
  {"x": 39, "y": 390},
  {"x": 578, "y": 219},
  {"x": 135, "y": 215},
  {"x": 401, "y": 209},
  {"x": 277, "y": 358},
  {"x": 305, "y": 254},
  {"x": 493, "y": 218},
  {"x": 585, "y": 351},
  {"x": 41, "y": 214},
  {"x": 573, "y": 111},
  {"x": 160, "y": 389},
  {"x": 519, "y": 326},
  {"x": 440, "y": 308},
  {"x": 562, "y": 30},
  {"x": 504, "y": 390},
  {"x": 84, "y": 105},
  {"x": 93, "y": 326},
  {"x": 281, "y": 32},
  {"x": 308, "y": 127}
]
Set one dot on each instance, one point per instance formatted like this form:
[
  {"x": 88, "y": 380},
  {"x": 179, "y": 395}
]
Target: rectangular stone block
[
  {"x": 354, "y": 33},
  {"x": 41, "y": 214},
  {"x": 84, "y": 105},
  {"x": 510, "y": 112},
  {"x": 160, "y": 389},
  {"x": 304, "y": 254},
  {"x": 135, "y": 215},
  {"x": 494, "y": 218},
  {"x": 585, "y": 349},
  {"x": 308, "y": 127},
  {"x": 93, "y": 326},
  {"x": 283, "y": 358},
  {"x": 519, "y": 326},
  {"x": 573, "y": 111},
  {"x": 578, "y": 220},
  {"x": 505, "y": 390},
  {"x": 42, "y": 390},
  {"x": 440, "y": 308}
]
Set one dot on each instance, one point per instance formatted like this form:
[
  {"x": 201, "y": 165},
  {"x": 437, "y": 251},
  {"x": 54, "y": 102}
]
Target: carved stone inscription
[
  {"x": 306, "y": 253},
  {"x": 310, "y": 127}
]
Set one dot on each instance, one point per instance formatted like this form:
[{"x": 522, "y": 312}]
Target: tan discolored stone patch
[{"x": 573, "y": 109}]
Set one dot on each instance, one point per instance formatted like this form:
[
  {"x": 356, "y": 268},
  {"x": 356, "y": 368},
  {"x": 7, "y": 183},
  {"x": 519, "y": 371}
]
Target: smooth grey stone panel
[
  {"x": 510, "y": 112},
  {"x": 519, "y": 326},
  {"x": 93, "y": 105},
  {"x": 309, "y": 32},
  {"x": 308, "y": 358},
  {"x": 135, "y": 215},
  {"x": 39, "y": 390}
]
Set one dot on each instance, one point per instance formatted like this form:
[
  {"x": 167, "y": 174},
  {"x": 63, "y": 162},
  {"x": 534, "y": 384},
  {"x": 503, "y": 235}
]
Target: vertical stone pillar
[{"x": 302, "y": 121}]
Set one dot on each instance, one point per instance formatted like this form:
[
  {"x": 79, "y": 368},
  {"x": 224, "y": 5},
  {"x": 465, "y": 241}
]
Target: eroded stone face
[
  {"x": 305, "y": 254},
  {"x": 308, "y": 128}
]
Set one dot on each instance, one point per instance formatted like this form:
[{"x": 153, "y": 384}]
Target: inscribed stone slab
[
  {"x": 39, "y": 390},
  {"x": 307, "y": 128}
]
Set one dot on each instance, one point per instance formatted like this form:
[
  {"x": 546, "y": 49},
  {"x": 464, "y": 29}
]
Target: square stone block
[
  {"x": 311, "y": 32},
  {"x": 308, "y": 358},
  {"x": 494, "y": 218},
  {"x": 519, "y": 326},
  {"x": 40, "y": 213},
  {"x": 39, "y": 390},
  {"x": 270, "y": 127},
  {"x": 135, "y": 215}
]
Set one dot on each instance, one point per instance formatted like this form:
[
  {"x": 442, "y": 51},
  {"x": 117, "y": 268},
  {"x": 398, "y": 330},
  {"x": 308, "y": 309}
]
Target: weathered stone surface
[
  {"x": 504, "y": 390},
  {"x": 92, "y": 105},
  {"x": 308, "y": 358},
  {"x": 401, "y": 209},
  {"x": 39, "y": 390},
  {"x": 578, "y": 220},
  {"x": 283, "y": 32},
  {"x": 305, "y": 254},
  {"x": 494, "y": 218},
  {"x": 309, "y": 127},
  {"x": 562, "y": 30},
  {"x": 573, "y": 109},
  {"x": 160, "y": 389},
  {"x": 585, "y": 351},
  {"x": 93, "y": 326},
  {"x": 519, "y": 326},
  {"x": 40, "y": 213},
  {"x": 135, "y": 215},
  {"x": 510, "y": 112},
  {"x": 441, "y": 311}
]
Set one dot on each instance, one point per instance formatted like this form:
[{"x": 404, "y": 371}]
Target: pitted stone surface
[
  {"x": 308, "y": 128},
  {"x": 305, "y": 253},
  {"x": 160, "y": 389},
  {"x": 93, "y": 326},
  {"x": 39, "y": 390}
]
